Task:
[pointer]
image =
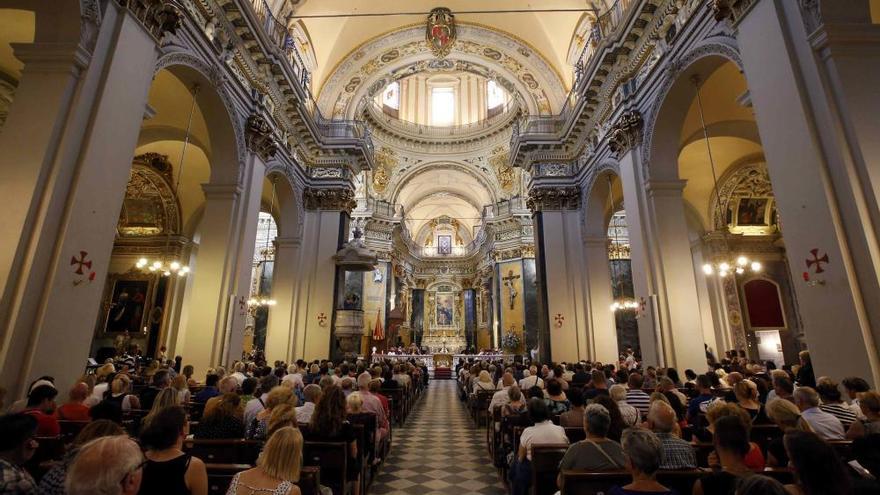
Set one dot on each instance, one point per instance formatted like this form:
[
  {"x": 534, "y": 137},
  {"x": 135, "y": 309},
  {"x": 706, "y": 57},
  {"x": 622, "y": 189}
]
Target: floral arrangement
[{"x": 510, "y": 341}]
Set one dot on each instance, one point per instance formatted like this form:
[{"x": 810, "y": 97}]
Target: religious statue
[{"x": 511, "y": 287}]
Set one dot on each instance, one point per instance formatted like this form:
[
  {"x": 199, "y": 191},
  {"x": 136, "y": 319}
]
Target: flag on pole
[{"x": 378, "y": 331}]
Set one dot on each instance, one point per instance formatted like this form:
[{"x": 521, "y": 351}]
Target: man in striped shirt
[
  {"x": 829, "y": 393},
  {"x": 635, "y": 396}
]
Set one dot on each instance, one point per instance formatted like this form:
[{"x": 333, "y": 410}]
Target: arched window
[
  {"x": 391, "y": 96},
  {"x": 495, "y": 96},
  {"x": 442, "y": 106}
]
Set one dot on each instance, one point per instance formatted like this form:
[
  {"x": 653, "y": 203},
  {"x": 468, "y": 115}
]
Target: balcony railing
[
  {"x": 434, "y": 252},
  {"x": 407, "y": 128},
  {"x": 279, "y": 35},
  {"x": 603, "y": 27},
  {"x": 505, "y": 207}
]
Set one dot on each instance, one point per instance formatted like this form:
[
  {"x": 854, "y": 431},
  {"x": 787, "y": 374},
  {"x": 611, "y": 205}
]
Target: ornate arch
[
  {"x": 362, "y": 72},
  {"x": 588, "y": 186},
  {"x": 402, "y": 177},
  {"x": 151, "y": 207},
  {"x": 278, "y": 168},
  {"x": 747, "y": 178},
  {"x": 716, "y": 46},
  {"x": 218, "y": 82}
]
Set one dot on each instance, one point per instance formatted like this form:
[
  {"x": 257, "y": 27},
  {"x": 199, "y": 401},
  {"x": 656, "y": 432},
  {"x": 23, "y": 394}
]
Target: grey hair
[
  {"x": 597, "y": 419},
  {"x": 101, "y": 465},
  {"x": 617, "y": 392},
  {"x": 807, "y": 395},
  {"x": 312, "y": 392},
  {"x": 643, "y": 448},
  {"x": 663, "y": 423}
]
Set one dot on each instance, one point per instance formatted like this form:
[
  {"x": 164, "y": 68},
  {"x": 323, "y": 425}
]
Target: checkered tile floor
[{"x": 438, "y": 450}]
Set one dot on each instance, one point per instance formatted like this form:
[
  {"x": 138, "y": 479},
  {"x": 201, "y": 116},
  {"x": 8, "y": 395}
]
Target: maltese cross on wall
[{"x": 440, "y": 31}]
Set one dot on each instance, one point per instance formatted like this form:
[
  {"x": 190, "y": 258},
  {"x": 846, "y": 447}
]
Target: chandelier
[
  {"x": 257, "y": 301},
  {"x": 163, "y": 265},
  {"x": 621, "y": 303},
  {"x": 725, "y": 264}
]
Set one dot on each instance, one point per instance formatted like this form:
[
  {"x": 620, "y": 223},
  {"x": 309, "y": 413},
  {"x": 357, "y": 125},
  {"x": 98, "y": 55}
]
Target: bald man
[
  {"x": 106, "y": 465},
  {"x": 75, "y": 408},
  {"x": 677, "y": 453}
]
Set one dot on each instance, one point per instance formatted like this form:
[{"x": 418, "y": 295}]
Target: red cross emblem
[
  {"x": 559, "y": 319},
  {"x": 81, "y": 262},
  {"x": 322, "y": 319},
  {"x": 817, "y": 261}
]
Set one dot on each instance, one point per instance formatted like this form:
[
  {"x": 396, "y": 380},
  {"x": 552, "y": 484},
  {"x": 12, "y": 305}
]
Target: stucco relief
[{"x": 369, "y": 64}]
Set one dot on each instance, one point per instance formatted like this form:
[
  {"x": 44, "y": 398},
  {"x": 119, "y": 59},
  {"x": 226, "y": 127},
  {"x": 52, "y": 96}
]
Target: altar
[{"x": 444, "y": 332}]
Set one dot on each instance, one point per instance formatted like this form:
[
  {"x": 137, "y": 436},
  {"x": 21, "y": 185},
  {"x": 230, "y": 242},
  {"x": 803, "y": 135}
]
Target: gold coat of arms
[{"x": 440, "y": 31}]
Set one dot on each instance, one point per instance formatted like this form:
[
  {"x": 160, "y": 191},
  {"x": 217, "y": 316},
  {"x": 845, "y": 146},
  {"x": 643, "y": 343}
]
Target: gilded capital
[
  {"x": 157, "y": 16},
  {"x": 626, "y": 133},
  {"x": 337, "y": 198},
  {"x": 259, "y": 137},
  {"x": 732, "y": 10},
  {"x": 544, "y": 198}
]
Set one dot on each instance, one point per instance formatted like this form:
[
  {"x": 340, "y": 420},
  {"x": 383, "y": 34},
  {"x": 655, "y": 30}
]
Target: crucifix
[{"x": 511, "y": 288}]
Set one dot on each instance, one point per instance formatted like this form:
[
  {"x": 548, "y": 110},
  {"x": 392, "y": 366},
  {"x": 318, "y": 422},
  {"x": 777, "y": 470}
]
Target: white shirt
[
  {"x": 824, "y": 424},
  {"x": 97, "y": 394},
  {"x": 499, "y": 399},
  {"x": 239, "y": 377},
  {"x": 252, "y": 408},
  {"x": 294, "y": 378},
  {"x": 530, "y": 381},
  {"x": 304, "y": 412},
  {"x": 544, "y": 432}
]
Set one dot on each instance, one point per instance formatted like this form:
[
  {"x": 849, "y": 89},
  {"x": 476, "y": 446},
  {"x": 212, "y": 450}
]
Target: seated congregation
[
  {"x": 303, "y": 428},
  {"x": 741, "y": 428}
]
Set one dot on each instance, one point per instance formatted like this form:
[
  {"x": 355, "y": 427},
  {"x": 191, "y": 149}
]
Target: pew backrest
[
  {"x": 224, "y": 451},
  {"x": 545, "y": 467}
]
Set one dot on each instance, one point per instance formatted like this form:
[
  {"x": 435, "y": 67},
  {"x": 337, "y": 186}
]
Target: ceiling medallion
[{"x": 440, "y": 31}]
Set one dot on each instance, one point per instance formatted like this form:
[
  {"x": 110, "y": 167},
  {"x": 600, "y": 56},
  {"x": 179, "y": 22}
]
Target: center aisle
[{"x": 438, "y": 450}]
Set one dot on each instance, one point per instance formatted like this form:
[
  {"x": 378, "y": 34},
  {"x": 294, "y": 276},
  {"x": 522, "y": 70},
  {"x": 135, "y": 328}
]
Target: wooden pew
[
  {"x": 220, "y": 476},
  {"x": 575, "y": 434},
  {"x": 224, "y": 451},
  {"x": 545, "y": 467},
  {"x": 597, "y": 482},
  {"x": 70, "y": 429},
  {"x": 332, "y": 458}
]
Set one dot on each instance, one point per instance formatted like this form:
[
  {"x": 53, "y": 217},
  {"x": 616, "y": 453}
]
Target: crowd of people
[
  {"x": 644, "y": 420},
  {"x": 136, "y": 419}
]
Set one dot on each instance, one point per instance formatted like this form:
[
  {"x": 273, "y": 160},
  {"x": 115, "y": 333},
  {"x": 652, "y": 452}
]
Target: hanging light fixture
[
  {"x": 164, "y": 265},
  {"x": 723, "y": 265},
  {"x": 621, "y": 303},
  {"x": 258, "y": 301}
]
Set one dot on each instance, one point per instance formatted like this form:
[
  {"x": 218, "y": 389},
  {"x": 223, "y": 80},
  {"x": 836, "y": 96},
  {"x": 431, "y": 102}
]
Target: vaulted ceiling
[{"x": 548, "y": 33}]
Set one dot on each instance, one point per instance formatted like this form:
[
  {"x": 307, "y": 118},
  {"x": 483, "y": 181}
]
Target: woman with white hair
[
  {"x": 597, "y": 452},
  {"x": 629, "y": 413},
  {"x": 643, "y": 451},
  {"x": 106, "y": 465},
  {"x": 484, "y": 382}
]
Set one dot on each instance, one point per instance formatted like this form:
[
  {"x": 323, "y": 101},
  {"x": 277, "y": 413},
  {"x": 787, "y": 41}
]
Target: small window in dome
[
  {"x": 442, "y": 106},
  {"x": 391, "y": 96},
  {"x": 495, "y": 95}
]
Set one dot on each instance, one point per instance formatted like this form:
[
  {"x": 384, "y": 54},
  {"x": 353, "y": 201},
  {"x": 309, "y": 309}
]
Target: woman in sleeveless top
[
  {"x": 120, "y": 395},
  {"x": 169, "y": 471},
  {"x": 278, "y": 467}
]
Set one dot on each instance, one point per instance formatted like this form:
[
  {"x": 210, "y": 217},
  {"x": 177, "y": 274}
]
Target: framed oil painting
[
  {"x": 752, "y": 211},
  {"x": 445, "y": 309},
  {"x": 126, "y": 309}
]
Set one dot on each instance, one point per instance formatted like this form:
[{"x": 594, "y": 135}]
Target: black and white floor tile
[{"x": 438, "y": 450}]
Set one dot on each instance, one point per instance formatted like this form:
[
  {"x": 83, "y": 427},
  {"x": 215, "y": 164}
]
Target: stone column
[
  {"x": 280, "y": 332},
  {"x": 562, "y": 330},
  {"x": 68, "y": 143},
  {"x": 813, "y": 70},
  {"x": 216, "y": 319},
  {"x": 325, "y": 230},
  {"x": 603, "y": 329},
  {"x": 662, "y": 265}
]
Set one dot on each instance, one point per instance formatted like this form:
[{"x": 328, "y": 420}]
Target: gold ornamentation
[
  {"x": 440, "y": 31},
  {"x": 329, "y": 199},
  {"x": 501, "y": 165},
  {"x": 546, "y": 198},
  {"x": 626, "y": 133},
  {"x": 259, "y": 137},
  {"x": 386, "y": 161}
]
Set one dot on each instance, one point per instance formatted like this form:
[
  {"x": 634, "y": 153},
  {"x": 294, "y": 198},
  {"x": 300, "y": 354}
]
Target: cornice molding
[
  {"x": 626, "y": 133},
  {"x": 550, "y": 198},
  {"x": 259, "y": 139},
  {"x": 335, "y": 198}
]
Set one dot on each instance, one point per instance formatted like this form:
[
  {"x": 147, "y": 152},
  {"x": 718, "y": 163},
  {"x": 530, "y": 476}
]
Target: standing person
[
  {"x": 17, "y": 446},
  {"x": 805, "y": 376},
  {"x": 168, "y": 470},
  {"x": 278, "y": 467}
]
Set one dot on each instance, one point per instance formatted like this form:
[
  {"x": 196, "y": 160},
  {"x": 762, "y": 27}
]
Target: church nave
[{"x": 438, "y": 450}]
